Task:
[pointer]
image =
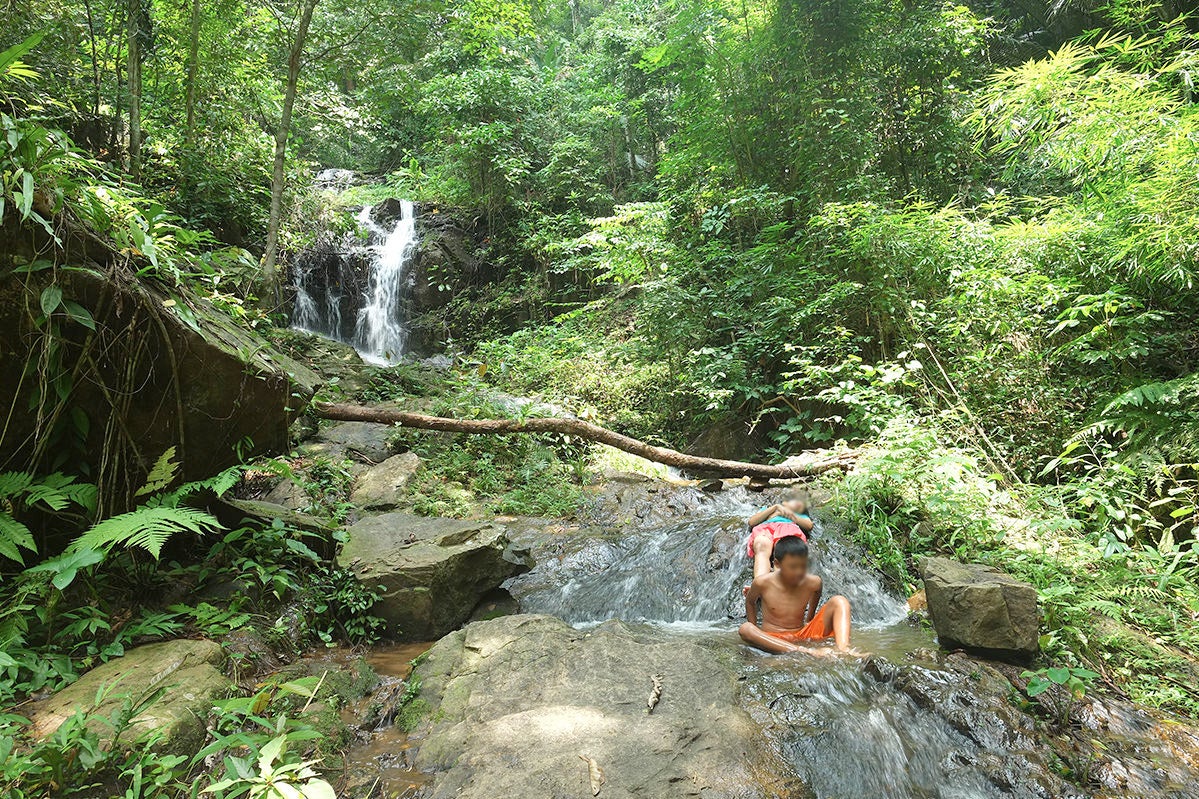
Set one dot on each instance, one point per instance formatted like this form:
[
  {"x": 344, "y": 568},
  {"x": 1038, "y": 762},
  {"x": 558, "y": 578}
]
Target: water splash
[{"x": 844, "y": 732}]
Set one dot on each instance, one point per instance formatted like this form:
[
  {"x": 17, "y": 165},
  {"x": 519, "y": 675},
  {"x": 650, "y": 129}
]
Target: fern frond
[
  {"x": 148, "y": 528},
  {"x": 55, "y": 491},
  {"x": 218, "y": 484},
  {"x": 14, "y": 483},
  {"x": 13, "y": 537},
  {"x": 161, "y": 475},
  {"x": 1139, "y": 592},
  {"x": 1107, "y": 607}
]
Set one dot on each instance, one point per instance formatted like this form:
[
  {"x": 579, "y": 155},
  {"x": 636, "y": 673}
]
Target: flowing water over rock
[
  {"x": 845, "y": 726},
  {"x": 517, "y": 701},
  {"x": 326, "y": 284}
]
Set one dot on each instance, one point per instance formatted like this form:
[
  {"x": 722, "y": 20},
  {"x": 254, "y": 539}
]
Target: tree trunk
[
  {"x": 91, "y": 37},
  {"x": 590, "y": 432},
  {"x": 193, "y": 69},
  {"x": 135, "y": 89},
  {"x": 294, "y": 64}
]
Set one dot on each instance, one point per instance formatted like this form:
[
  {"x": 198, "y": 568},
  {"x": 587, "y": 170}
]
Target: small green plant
[
  {"x": 1074, "y": 679},
  {"x": 272, "y": 776}
]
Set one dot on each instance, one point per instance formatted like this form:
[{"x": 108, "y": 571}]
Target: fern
[
  {"x": 161, "y": 475},
  {"x": 14, "y": 537},
  {"x": 13, "y": 484},
  {"x": 218, "y": 484},
  {"x": 20, "y": 490},
  {"x": 1138, "y": 592},
  {"x": 146, "y": 528},
  {"x": 1162, "y": 416}
]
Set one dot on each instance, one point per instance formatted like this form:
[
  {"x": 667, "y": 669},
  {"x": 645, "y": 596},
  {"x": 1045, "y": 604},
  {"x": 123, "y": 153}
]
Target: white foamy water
[{"x": 379, "y": 332}]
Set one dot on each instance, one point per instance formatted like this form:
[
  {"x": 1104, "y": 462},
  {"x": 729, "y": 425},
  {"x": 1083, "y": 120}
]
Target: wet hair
[{"x": 789, "y": 545}]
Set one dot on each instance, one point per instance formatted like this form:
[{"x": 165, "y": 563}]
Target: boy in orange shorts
[{"x": 790, "y": 598}]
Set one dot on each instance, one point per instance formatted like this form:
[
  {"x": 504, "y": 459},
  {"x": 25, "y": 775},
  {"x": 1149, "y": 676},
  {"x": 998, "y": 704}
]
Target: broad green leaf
[
  {"x": 1058, "y": 675},
  {"x": 51, "y": 298}
]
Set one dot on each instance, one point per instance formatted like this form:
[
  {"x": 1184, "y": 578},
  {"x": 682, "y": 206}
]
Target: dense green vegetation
[{"x": 961, "y": 238}]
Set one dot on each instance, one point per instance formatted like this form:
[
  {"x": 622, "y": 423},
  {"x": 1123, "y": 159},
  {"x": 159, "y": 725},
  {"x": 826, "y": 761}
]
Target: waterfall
[
  {"x": 380, "y": 335},
  {"x": 326, "y": 284}
]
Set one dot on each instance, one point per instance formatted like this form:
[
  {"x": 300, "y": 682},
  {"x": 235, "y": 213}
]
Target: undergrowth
[{"x": 1129, "y": 614}]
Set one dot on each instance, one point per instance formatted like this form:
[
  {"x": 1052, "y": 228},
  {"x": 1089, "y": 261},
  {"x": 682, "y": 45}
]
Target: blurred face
[
  {"x": 794, "y": 505},
  {"x": 792, "y": 568}
]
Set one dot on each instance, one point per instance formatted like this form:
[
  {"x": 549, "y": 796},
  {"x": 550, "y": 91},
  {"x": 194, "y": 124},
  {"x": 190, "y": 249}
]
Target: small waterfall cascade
[{"x": 327, "y": 286}]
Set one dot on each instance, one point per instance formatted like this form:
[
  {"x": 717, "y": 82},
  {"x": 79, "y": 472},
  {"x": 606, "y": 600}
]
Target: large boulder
[
  {"x": 175, "y": 371},
  {"x": 431, "y": 571},
  {"x": 383, "y": 487},
  {"x": 187, "y": 671},
  {"x": 982, "y": 610},
  {"x": 518, "y": 704}
]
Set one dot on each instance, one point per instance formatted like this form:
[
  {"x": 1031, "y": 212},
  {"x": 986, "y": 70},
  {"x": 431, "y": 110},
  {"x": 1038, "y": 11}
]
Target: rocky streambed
[
  {"x": 599, "y": 657},
  {"x": 640, "y": 598}
]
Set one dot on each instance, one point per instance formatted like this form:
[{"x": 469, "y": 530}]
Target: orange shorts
[{"x": 812, "y": 631}]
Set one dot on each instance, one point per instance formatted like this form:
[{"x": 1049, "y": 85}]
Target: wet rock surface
[
  {"x": 432, "y": 572},
  {"x": 518, "y": 704},
  {"x": 981, "y": 609},
  {"x": 974, "y": 700}
]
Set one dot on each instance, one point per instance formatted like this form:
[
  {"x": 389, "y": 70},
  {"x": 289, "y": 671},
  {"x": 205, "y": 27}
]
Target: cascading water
[
  {"x": 379, "y": 334},
  {"x": 323, "y": 281}
]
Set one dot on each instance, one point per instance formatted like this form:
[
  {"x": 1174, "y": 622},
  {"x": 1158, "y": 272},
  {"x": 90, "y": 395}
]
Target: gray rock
[
  {"x": 982, "y": 610},
  {"x": 383, "y": 487},
  {"x": 289, "y": 494},
  {"x": 732, "y": 439},
  {"x": 361, "y": 440},
  {"x": 516, "y": 703},
  {"x": 432, "y": 571},
  {"x": 200, "y": 383},
  {"x": 186, "y": 669}
]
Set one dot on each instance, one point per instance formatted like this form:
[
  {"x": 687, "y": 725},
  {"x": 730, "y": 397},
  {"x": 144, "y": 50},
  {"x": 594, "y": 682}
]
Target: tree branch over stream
[{"x": 590, "y": 432}]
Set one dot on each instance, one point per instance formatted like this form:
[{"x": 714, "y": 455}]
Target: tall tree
[
  {"x": 135, "y": 88},
  {"x": 295, "y": 61},
  {"x": 193, "y": 68}
]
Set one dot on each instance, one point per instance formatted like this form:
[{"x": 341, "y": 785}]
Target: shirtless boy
[{"x": 791, "y": 611}]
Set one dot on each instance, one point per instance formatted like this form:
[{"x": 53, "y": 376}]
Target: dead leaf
[
  {"x": 594, "y": 773},
  {"x": 655, "y": 694}
]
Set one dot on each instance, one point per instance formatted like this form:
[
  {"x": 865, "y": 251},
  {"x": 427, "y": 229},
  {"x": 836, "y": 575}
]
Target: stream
[
  {"x": 847, "y": 734},
  {"x": 845, "y": 730}
]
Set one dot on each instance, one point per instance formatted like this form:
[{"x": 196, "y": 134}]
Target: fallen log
[{"x": 591, "y": 432}]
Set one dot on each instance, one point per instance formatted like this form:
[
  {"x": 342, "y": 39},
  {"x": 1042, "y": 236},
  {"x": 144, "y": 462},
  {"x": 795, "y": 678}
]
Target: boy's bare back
[{"x": 784, "y": 607}]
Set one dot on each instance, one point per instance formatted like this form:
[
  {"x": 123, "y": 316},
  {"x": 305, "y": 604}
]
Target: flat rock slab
[
  {"x": 432, "y": 571},
  {"x": 383, "y": 487},
  {"x": 982, "y": 610},
  {"x": 189, "y": 672},
  {"x": 516, "y": 704},
  {"x": 363, "y": 441}
]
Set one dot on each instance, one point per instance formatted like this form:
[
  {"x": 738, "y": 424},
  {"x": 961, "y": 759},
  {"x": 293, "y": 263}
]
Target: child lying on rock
[
  {"x": 788, "y": 518},
  {"x": 791, "y": 611}
]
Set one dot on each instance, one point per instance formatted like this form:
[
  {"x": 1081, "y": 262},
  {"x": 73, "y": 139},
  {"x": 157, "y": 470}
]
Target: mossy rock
[{"x": 187, "y": 671}]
